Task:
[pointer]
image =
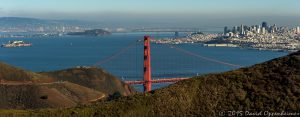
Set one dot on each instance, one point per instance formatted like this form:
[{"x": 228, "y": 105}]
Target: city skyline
[{"x": 158, "y": 13}]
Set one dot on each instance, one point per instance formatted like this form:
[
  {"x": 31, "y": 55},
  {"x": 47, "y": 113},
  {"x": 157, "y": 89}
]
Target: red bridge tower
[{"x": 147, "y": 65}]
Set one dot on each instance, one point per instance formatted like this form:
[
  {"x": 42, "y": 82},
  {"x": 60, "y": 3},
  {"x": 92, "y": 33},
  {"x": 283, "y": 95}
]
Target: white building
[
  {"x": 258, "y": 29},
  {"x": 230, "y": 34},
  {"x": 263, "y": 31}
]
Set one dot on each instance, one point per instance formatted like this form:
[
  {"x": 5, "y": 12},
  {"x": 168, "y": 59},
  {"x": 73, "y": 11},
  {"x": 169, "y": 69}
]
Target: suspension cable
[
  {"x": 118, "y": 53},
  {"x": 203, "y": 57}
]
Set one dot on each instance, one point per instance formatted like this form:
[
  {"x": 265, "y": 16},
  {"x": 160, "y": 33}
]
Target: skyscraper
[
  {"x": 258, "y": 29},
  {"x": 234, "y": 30},
  {"x": 275, "y": 28},
  {"x": 263, "y": 31},
  {"x": 225, "y": 29},
  {"x": 242, "y": 30},
  {"x": 264, "y": 25},
  {"x": 238, "y": 29},
  {"x": 298, "y": 30}
]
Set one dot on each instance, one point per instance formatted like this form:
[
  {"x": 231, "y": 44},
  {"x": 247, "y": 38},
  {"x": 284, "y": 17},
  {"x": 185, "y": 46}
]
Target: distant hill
[
  {"x": 94, "y": 32},
  {"x": 21, "y": 89},
  {"x": 272, "y": 86},
  {"x": 17, "y": 21},
  {"x": 31, "y": 22}
]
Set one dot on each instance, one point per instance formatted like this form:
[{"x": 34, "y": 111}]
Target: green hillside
[{"x": 271, "y": 86}]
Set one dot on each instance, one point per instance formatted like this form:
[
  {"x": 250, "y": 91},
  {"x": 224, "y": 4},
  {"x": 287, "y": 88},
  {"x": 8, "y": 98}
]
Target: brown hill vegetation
[
  {"x": 21, "y": 89},
  {"x": 271, "y": 86},
  {"x": 45, "y": 95},
  {"x": 94, "y": 78},
  {"x": 10, "y": 73}
]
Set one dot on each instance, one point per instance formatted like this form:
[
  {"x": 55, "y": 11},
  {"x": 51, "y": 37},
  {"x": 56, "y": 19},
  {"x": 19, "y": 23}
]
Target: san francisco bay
[{"x": 56, "y": 53}]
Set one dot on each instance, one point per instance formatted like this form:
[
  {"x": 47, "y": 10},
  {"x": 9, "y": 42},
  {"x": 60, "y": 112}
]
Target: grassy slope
[
  {"x": 30, "y": 96},
  {"x": 272, "y": 86},
  {"x": 92, "y": 78},
  {"x": 10, "y": 73},
  {"x": 21, "y": 89}
]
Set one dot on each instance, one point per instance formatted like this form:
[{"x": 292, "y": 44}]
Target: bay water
[{"x": 121, "y": 54}]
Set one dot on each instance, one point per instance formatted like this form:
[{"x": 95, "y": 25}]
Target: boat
[{"x": 16, "y": 44}]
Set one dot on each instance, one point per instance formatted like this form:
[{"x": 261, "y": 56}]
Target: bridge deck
[{"x": 156, "y": 81}]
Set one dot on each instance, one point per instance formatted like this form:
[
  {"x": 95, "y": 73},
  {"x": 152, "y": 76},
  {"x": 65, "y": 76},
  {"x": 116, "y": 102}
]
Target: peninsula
[{"x": 262, "y": 37}]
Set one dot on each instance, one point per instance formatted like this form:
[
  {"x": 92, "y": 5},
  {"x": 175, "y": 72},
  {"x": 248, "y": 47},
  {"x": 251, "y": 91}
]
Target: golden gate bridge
[{"x": 147, "y": 79}]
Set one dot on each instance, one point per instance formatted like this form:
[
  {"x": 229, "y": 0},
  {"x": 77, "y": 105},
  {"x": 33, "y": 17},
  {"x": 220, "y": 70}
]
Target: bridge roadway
[
  {"x": 134, "y": 82},
  {"x": 164, "y": 80}
]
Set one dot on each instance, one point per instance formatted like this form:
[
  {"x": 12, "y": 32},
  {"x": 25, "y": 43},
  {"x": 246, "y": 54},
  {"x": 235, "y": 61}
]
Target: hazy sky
[{"x": 159, "y": 12}]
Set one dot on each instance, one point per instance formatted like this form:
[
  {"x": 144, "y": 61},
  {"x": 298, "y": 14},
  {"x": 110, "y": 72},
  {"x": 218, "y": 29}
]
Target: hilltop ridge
[{"x": 90, "y": 77}]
